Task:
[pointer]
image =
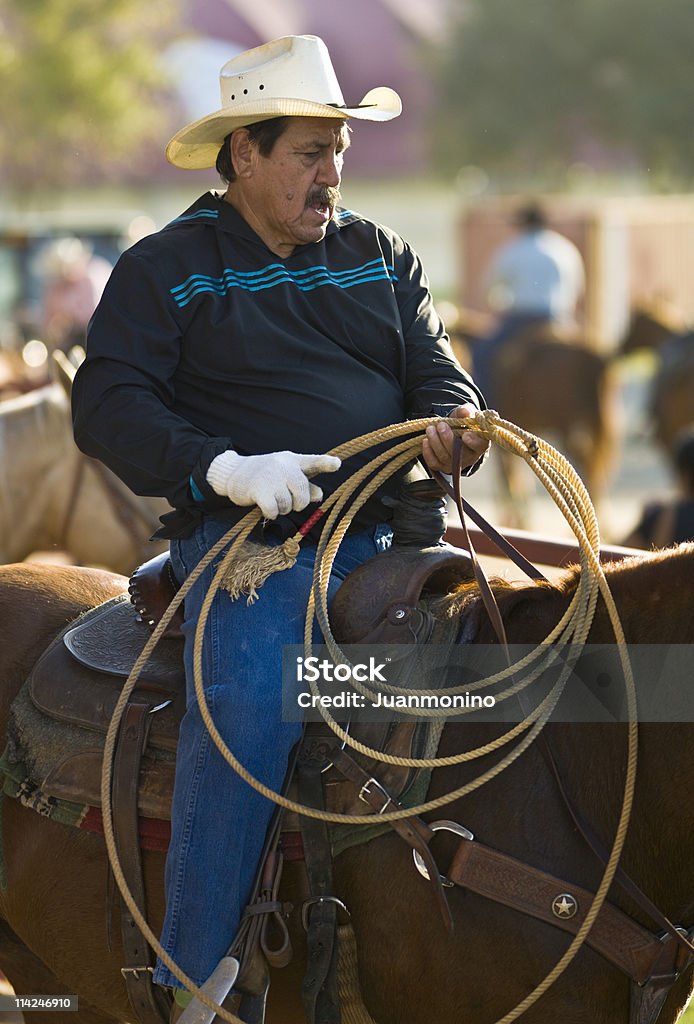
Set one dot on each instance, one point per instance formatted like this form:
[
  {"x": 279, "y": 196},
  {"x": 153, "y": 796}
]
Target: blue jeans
[{"x": 218, "y": 821}]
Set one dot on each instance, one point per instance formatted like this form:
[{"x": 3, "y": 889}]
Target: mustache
[{"x": 326, "y": 195}]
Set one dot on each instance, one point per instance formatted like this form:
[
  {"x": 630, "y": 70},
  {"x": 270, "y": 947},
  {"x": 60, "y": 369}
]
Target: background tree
[
  {"x": 82, "y": 86},
  {"x": 538, "y": 85}
]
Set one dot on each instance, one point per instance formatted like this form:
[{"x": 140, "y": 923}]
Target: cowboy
[
  {"x": 535, "y": 279},
  {"x": 264, "y": 323}
]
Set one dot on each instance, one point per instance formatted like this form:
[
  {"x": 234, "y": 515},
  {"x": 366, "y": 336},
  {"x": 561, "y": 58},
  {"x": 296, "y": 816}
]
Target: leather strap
[
  {"x": 264, "y": 911},
  {"x": 646, "y": 1001},
  {"x": 319, "y": 991},
  {"x": 640, "y": 954},
  {"x": 277, "y": 954},
  {"x": 653, "y": 963},
  {"x": 414, "y": 831},
  {"x": 597, "y": 846},
  {"x": 72, "y": 503},
  {"x": 466, "y": 509},
  {"x": 253, "y": 1005},
  {"x": 137, "y": 972},
  {"x": 251, "y": 945},
  {"x": 486, "y": 593}
]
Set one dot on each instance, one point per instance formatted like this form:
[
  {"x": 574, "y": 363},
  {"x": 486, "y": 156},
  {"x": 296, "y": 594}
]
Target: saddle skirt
[{"x": 59, "y": 720}]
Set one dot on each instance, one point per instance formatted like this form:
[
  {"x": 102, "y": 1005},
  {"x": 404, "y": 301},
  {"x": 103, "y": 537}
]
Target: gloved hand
[{"x": 278, "y": 482}]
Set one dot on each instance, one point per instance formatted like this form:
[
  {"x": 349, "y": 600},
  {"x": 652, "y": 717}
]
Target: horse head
[{"x": 650, "y": 326}]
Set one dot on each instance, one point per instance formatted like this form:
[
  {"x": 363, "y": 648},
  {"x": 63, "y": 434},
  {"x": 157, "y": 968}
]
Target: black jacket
[{"x": 205, "y": 340}]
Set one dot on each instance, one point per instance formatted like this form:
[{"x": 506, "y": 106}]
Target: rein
[
  {"x": 124, "y": 505},
  {"x": 569, "y": 493}
]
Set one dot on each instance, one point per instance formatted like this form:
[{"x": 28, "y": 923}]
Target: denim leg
[{"x": 219, "y": 821}]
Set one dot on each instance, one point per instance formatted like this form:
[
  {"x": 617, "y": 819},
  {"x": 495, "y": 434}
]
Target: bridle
[
  {"x": 126, "y": 509},
  {"x": 653, "y": 961}
]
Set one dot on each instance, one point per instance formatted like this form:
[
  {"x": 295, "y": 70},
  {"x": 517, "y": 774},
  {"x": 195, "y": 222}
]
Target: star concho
[{"x": 564, "y": 905}]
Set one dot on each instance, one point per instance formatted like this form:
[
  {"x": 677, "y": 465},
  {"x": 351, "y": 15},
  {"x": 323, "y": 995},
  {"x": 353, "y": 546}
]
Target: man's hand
[
  {"x": 437, "y": 447},
  {"x": 277, "y": 483}
]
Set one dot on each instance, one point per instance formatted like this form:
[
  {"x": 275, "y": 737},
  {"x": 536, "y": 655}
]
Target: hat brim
[{"x": 197, "y": 145}]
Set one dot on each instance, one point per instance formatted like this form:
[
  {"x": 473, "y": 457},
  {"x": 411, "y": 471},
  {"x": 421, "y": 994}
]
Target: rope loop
[{"x": 243, "y": 569}]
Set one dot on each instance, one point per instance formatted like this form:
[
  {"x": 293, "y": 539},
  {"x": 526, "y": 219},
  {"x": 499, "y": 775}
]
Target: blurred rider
[{"x": 535, "y": 279}]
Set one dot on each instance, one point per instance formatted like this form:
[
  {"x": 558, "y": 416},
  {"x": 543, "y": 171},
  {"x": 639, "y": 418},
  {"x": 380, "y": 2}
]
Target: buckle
[
  {"x": 441, "y": 826},
  {"x": 136, "y": 971},
  {"x": 160, "y": 707},
  {"x": 366, "y": 788},
  {"x": 309, "y": 903}
]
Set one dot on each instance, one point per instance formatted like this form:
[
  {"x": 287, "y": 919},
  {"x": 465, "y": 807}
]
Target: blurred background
[{"x": 582, "y": 105}]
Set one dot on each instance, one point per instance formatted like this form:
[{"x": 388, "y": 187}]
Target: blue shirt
[{"x": 539, "y": 272}]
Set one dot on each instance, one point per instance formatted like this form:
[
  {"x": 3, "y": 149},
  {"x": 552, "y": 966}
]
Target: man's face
[{"x": 292, "y": 193}]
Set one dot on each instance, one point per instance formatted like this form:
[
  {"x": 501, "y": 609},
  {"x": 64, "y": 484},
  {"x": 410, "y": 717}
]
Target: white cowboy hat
[{"x": 292, "y": 76}]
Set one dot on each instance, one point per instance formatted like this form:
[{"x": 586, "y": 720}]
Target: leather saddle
[{"x": 79, "y": 678}]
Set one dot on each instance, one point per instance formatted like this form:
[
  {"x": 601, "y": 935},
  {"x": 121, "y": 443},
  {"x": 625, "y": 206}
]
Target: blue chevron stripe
[
  {"x": 274, "y": 269},
  {"x": 275, "y": 274},
  {"x": 198, "y": 215}
]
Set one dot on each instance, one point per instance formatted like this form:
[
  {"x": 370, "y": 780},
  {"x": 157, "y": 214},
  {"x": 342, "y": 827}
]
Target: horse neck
[
  {"x": 654, "y": 596},
  {"x": 52, "y": 496},
  {"x": 37, "y": 456},
  {"x": 522, "y": 810},
  {"x": 646, "y": 331},
  {"x": 109, "y": 525}
]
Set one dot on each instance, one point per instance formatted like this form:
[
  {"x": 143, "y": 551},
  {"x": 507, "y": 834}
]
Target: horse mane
[
  {"x": 648, "y": 590},
  {"x": 464, "y": 601}
]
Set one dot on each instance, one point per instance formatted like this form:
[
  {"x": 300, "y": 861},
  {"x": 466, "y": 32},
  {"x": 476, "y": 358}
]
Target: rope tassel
[{"x": 252, "y": 564}]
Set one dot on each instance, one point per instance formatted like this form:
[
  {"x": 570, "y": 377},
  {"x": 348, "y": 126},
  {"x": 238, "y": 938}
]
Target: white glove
[{"x": 277, "y": 483}]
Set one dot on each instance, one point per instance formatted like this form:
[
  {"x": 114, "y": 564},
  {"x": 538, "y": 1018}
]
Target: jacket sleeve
[
  {"x": 124, "y": 391},
  {"x": 434, "y": 375},
  {"x": 434, "y": 379}
]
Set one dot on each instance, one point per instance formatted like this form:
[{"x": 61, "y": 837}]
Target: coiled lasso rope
[{"x": 404, "y": 440}]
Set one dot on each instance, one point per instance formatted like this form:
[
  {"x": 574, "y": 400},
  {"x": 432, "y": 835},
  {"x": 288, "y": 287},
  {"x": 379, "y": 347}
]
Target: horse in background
[
  {"x": 671, "y": 401},
  {"x": 17, "y": 376},
  {"x": 554, "y": 384},
  {"x": 53, "y": 498},
  {"x": 53, "y": 935}
]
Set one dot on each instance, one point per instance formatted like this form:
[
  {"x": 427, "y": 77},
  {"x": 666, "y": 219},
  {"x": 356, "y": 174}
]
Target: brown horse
[
  {"x": 554, "y": 385},
  {"x": 672, "y": 389},
  {"x": 53, "y": 497},
  {"x": 411, "y": 970}
]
